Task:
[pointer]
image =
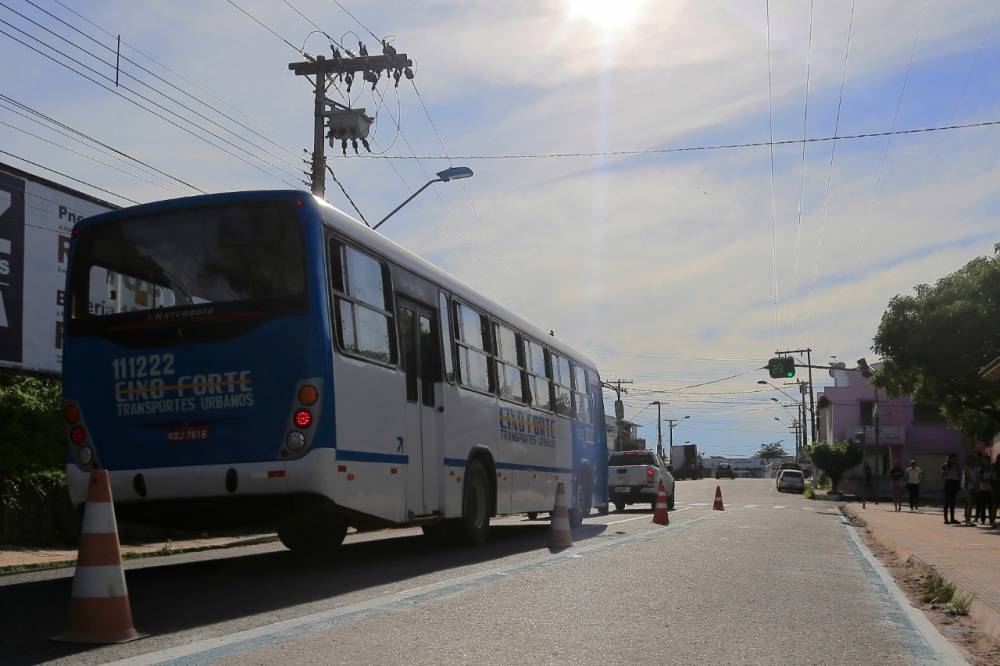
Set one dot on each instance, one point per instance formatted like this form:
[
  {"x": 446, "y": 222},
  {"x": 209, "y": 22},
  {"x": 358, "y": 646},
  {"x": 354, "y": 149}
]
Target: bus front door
[{"x": 418, "y": 335}]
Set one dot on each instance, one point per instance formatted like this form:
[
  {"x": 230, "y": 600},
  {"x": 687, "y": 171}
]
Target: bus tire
[
  {"x": 619, "y": 506},
  {"x": 474, "y": 525},
  {"x": 603, "y": 509},
  {"x": 583, "y": 495},
  {"x": 312, "y": 538},
  {"x": 670, "y": 502},
  {"x": 532, "y": 515}
]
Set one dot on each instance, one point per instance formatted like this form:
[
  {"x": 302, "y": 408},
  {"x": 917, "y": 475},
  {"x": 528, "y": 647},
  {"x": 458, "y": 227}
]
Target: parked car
[
  {"x": 725, "y": 470},
  {"x": 634, "y": 477},
  {"x": 790, "y": 479}
]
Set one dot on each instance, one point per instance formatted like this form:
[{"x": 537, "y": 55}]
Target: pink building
[{"x": 906, "y": 431}]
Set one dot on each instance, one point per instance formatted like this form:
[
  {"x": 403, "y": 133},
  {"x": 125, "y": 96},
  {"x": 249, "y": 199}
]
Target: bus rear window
[{"x": 239, "y": 254}]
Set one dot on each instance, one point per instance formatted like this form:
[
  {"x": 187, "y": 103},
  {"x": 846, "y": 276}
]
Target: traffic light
[{"x": 781, "y": 367}]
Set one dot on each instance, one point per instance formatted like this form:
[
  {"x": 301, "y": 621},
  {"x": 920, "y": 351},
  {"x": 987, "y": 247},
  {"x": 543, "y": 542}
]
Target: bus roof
[{"x": 336, "y": 219}]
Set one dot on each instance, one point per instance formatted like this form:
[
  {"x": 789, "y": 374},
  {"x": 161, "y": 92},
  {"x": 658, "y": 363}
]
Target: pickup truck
[{"x": 634, "y": 477}]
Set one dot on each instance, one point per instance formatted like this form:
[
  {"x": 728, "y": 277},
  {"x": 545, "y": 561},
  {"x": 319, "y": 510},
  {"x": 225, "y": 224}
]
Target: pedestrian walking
[
  {"x": 914, "y": 475},
  {"x": 995, "y": 494},
  {"x": 952, "y": 475},
  {"x": 970, "y": 483},
  {"x": 983, "y": 496},
  {"x": 896, "y": 474}
]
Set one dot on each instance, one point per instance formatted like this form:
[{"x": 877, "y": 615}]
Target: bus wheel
[
  {"x": 583, "y": 496},
  {"x": 619, "y": 506},
  {"x": 312, "y": 538},
  {"x": 474, "y": 525},
  {"x": 603, "y": 509},
  {"x": 532, "y": 515}
]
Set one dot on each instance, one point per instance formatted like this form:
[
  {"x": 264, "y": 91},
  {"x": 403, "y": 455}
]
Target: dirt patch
[{"x": 979, "y": 648}]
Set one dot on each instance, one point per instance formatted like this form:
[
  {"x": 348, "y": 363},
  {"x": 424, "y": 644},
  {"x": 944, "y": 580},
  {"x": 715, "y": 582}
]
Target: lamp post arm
[{"x": 408, "y": 200}]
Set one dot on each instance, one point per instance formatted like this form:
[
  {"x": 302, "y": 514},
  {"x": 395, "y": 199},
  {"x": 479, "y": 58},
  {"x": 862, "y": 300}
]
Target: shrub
[{"x": 32, "y": 435}]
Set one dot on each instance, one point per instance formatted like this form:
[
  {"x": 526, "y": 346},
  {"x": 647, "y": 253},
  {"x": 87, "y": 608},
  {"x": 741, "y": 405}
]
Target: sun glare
[{"x": 611, "y": 16}]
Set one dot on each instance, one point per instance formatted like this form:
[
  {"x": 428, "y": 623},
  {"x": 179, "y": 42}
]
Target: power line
[
  {"x": 611, "y": 352},
  {"x": 356, "y": 209},
  {"x": 265, "y": 26},
  {"x": 87, "y": 157},
  {"x": 315, "y": 25},
  {"x": 975, "y": 60},
  {"x": 93, "y": 140},
  {"x": 160, "y": 78},
  {"x": 688, "y": 149},
  {"x": 770, "y": 125},
  {"x": 802, "y": 171},
  {"x": 162, "y": 65},
  {"x": 892, "y": 126},
  {"x": 829, "y": 174},
  {"x": 77, "y": 180},
  {"x": 129, "y": 99},
  {"x": 356, "y": 20},
  {"x": 150, "y": 87}
]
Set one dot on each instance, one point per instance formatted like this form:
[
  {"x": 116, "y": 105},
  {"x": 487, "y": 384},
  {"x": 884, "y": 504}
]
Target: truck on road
[
  {"x": 634, "y": 477},
  {"x": 685, "y": 461}
]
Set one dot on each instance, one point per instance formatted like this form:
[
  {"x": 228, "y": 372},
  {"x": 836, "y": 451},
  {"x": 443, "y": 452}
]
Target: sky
[{"x": 681, "y": 271}]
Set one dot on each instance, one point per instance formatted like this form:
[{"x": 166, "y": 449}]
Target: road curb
[
  {"x": 13, "y": 569},
  {"x": 984, "y": 616}
]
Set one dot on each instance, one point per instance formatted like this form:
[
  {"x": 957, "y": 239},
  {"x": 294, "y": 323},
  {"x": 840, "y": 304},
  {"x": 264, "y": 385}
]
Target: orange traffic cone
[
  {"x": 559, "y": 534},
  {"x": 99, "y": 611},
  {"x": 661, "y": 516},
  {"x": 718, "y": 500}
]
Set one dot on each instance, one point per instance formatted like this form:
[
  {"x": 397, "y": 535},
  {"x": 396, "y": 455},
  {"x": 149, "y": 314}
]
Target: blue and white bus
[{"x": 261, "y": 359}]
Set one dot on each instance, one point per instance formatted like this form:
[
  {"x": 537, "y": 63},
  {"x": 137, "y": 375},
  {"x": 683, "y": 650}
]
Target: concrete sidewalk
[
  {"x": 969, "y": 557},
  {"x": 14, "y": 559}
]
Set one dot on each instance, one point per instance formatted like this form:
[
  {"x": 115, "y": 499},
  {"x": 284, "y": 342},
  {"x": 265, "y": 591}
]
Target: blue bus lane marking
[{"x": 208, "y": 650}]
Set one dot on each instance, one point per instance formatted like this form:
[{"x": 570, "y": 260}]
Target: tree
[
  {"x": 835, "y": 460},
  {"x": 935, "y": 342},
  {"x": 770, "y": 451}
]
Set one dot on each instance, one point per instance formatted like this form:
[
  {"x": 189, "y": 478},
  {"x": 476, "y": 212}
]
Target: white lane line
[
  {"x": 700, "y": 504},
  {"x": 808, "y": 508},
  {"x": 647, "y": 516},
  {"x": 779, "y": 506},
  {"x": 751, "y": 506}
]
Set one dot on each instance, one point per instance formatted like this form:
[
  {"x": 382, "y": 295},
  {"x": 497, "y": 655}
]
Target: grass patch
[
  {"x": 959, "y": 605},
  {"x": 809, "y": 492},
  {"x": 937, "y": 590}
]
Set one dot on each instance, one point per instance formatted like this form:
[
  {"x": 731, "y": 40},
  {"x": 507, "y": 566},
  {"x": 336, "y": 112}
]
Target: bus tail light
[
  {"x": 77, "y": 435},
  {"x": 85, "y": 455},
  {"x": 308, "y": 395},
  {"x": 304, "y": 415},
  {"x": 303, "y": 418}
]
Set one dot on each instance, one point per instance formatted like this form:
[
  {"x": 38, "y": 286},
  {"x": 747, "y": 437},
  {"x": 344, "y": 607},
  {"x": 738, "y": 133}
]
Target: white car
[{"x": 791, "y": 479}]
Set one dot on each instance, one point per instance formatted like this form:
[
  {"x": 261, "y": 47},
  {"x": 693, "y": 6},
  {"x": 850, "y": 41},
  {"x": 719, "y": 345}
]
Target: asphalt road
[{"x": 772, "y": 579}]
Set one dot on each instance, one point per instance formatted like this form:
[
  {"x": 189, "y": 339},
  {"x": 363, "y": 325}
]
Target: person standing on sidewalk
[
  {"x": 914, "y": 475},
  {"x": 970, "y": 482},
  {"x": 897, "y": 474},
  {"x": 951, "y": 473},
  {"x": 985, "y": 490}
]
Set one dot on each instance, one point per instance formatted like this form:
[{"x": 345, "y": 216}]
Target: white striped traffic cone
[
  {"x": 661, "y": 516},
  {"x": 99, "y": 610},
  {"x": 559, "y": 533}
]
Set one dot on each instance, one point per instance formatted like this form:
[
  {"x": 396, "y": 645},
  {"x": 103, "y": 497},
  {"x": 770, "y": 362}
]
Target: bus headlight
[
  {"x": 85, "y": 455},
  {"x": 295, "y": 441}
]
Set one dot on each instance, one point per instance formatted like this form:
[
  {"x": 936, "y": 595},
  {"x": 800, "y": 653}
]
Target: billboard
[{"x": 36, "y": 221}]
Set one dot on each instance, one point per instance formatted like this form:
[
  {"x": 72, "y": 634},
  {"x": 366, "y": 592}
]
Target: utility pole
[
  {"x": 659, "y": 428},
  {"x": 812, "y": 400},
  {"x": 616, "y": 386},
  {"x": 672, "y": 423},
  {"x": 325, "y": 70}
]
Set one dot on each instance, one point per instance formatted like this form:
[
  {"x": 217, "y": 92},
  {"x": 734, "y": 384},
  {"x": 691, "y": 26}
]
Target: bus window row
[{"x": 480, "y": 353}]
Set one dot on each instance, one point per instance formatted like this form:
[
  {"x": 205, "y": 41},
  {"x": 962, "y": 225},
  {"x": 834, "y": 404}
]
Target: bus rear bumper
[{"x": 311, "y": 474}]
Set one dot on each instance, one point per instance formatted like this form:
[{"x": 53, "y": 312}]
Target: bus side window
[
  {"x": 538, "y": 380},
  {"x": 561, "y": 385},
  {"x": 597, "y": 399},
  {"x": 362, "y": 304},
  {"x": 509, "y": 363},
  {"x": 472, "y": 335},
  {"x": 582, "y": 407},
  {"x": 449, "y": 364}
]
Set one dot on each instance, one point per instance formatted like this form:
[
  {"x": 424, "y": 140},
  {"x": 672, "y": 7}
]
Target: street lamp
[{"x": 454, "y": 173}]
